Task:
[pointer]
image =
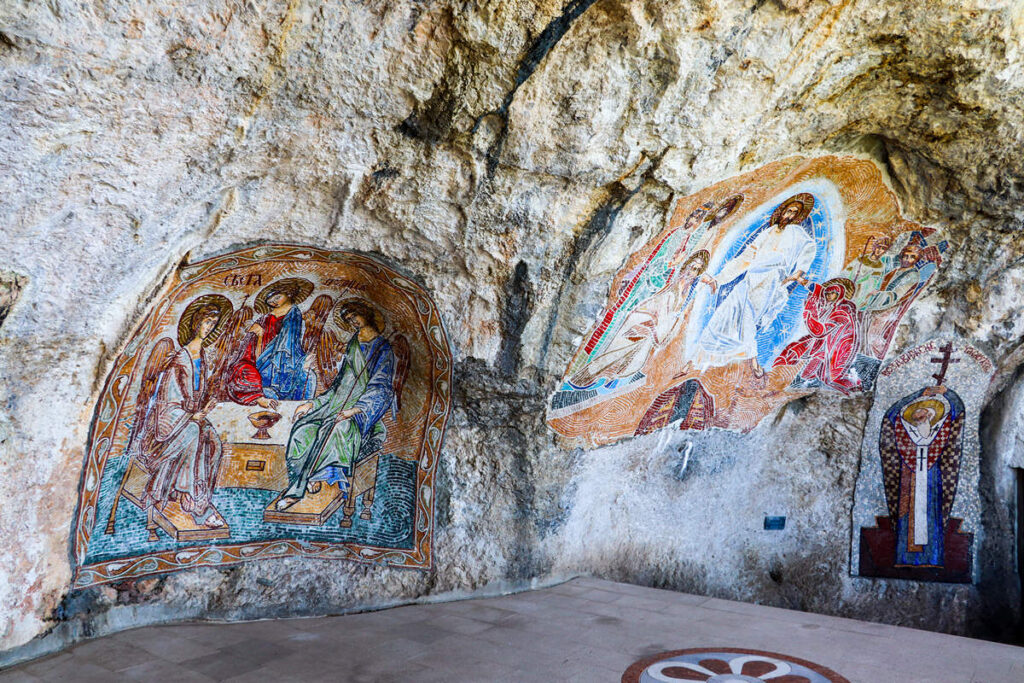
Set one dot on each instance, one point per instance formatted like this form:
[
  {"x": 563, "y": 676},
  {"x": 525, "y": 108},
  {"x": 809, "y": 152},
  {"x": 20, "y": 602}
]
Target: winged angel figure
[
  {"x": 171, "y": 438},
  {"x": 356, "y": 383},
  {"x": 364, "y": 379},
  {"x": 251, "y": 351}
]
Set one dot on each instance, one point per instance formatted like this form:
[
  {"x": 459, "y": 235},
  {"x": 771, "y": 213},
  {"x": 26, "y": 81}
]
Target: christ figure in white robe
[{"x": 780, "y": 254}]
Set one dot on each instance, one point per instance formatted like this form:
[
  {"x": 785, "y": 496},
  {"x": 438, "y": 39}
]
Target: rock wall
[{"x": 509, "y": 156}]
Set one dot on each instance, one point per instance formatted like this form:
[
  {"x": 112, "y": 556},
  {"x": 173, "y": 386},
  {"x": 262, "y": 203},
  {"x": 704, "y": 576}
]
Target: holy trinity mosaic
[
  {"x": 275, "y": 401},
  {"x": 760, "y": 289},
  {"x": 916, "y": 504}
]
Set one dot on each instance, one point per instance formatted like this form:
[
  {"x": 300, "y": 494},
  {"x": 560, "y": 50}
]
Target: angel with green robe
[{"x": 330, "y": 432}]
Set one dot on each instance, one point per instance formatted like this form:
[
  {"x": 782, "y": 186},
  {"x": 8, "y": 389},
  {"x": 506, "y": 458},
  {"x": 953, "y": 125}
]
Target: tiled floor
[{"x": 584, "y": 630}]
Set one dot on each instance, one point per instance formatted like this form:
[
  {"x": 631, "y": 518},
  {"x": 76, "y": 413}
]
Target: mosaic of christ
[{"x": 761, "y": 288}]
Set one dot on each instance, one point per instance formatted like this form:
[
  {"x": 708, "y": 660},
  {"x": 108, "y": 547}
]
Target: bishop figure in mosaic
[{"x": 920, "y": 445}]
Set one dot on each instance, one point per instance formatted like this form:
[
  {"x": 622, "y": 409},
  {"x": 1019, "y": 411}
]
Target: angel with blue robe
[{"x": 270, "y": 365}]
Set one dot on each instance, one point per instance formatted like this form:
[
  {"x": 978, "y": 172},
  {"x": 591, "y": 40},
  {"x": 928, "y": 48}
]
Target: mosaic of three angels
[
  {"x": 262, "y": 398},
  {"x": 266, "y": 354}
]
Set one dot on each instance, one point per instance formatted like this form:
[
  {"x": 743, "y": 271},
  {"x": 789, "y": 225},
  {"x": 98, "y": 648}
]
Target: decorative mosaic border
[{"x": 112, "y": 399}]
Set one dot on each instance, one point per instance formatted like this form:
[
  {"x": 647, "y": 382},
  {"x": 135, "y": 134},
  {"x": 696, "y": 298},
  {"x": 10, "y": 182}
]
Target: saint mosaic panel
[
  {"x": 761, "y": 289},
  {"x": 275, "y": 401},
  {"x": 916, "y": 505}
]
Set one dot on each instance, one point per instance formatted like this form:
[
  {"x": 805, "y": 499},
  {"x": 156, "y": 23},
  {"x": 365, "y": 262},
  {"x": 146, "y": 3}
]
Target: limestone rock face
[{"x": 509, "y": 156}]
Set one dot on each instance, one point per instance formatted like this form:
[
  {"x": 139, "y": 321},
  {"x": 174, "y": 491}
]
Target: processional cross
[{"x": 946, "y": 361}]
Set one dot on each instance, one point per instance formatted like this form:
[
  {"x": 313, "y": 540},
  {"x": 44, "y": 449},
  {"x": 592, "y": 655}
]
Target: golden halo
[
  {"x": 804, "y": 199},
  {"x": 701, "y": 255},
  {"x": 843, "y": 282},
  {"x": 339, "y": 319},
  {"x": 937, "y": 407},
  {"x": 295, "y": 288},
  {"x": 187, "y": 320},
  {"x": 732, "y": 202}
]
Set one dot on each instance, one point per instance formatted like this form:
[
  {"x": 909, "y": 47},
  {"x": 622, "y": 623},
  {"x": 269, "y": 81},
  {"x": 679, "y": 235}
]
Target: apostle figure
[
  {"x": 869, "y": 269},
  {"x": 920, "y": 445},
  {"x": 753, "y": 287},
  {"x": 329, "y": 432},
  {"x": 647, "y": 327},
  {"x": 645, "y": 280},
  {"x": 834, "y": 338},
  {"x": 882, "y": 309},
  {"x": 268, "y": 366},
  {"x": 905, "y": 278},
  {"x": 655, "y": 272},
  {"x": 171, "y": 437},
  {"x": 696, "y": 239}
]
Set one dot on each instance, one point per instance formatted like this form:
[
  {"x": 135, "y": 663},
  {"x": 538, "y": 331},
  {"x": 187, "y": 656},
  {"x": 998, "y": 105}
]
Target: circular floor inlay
[{"x": 727, "y": 665}]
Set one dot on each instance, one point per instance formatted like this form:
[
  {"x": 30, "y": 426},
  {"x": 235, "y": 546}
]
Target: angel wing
[
  {"x": 313, "y": 321},
  {"x": 159, "y": 358},
  {"x": 226, "y": 349},
  {"x": 949, "y": 464},
  {"x": 891, "y": 466},
  {"x": 327, "y": 358},
  {"x": 403, "y": 361}
]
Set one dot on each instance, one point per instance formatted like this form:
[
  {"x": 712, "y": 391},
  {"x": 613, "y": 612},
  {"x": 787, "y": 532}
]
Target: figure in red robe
[{"x": 834, "y": 338}]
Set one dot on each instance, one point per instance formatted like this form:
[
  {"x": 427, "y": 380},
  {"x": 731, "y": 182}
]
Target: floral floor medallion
[{"x": 727, "y": 665}]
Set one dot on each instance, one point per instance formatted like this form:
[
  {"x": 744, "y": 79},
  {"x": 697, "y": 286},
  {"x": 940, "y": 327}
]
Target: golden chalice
[{"x": 262, "y": 421}]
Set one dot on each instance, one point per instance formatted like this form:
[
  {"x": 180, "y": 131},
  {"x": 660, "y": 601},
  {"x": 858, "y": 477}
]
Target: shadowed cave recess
[{"x": 313, "y": 307}]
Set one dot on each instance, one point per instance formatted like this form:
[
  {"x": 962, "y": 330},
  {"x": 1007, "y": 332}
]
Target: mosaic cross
[{"x": 946, "y": 361}]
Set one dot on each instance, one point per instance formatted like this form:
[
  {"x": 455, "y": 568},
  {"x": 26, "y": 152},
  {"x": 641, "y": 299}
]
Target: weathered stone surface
[
  {"x": 11, "y": 285},
  {"x": 509, "y": 155}
]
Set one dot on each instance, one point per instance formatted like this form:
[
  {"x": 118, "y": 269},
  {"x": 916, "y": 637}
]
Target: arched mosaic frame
[{"x": 108, "y": 428}]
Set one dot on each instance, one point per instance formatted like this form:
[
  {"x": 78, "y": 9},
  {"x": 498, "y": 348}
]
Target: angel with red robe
[{"x": 171, "y": 437}]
